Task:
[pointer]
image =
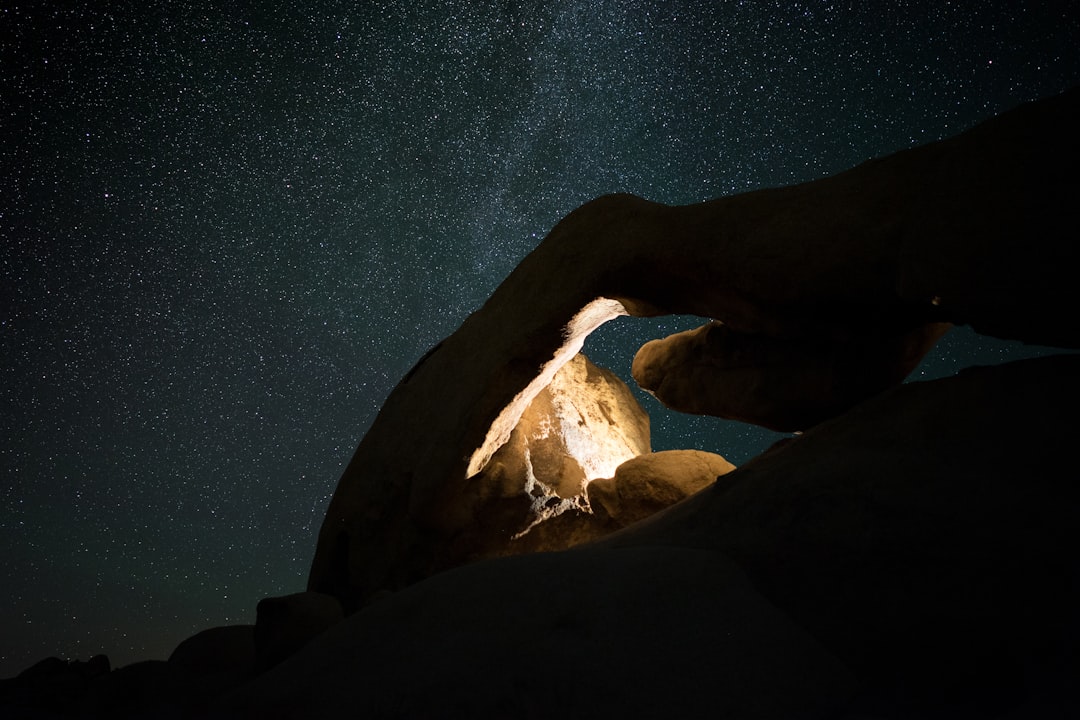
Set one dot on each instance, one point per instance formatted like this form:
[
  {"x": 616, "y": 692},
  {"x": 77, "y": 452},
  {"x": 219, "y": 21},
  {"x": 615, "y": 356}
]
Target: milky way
[{"x": 226, "y": 234}]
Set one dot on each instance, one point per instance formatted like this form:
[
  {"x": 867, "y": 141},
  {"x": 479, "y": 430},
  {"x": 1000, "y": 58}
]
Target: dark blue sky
[{"x": 226, "y": 233}]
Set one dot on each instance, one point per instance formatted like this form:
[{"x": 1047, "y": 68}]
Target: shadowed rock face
[
  {"x": 285, "y": 624},
  {"x": 783, "y": 384},
  {"x": 865, "y": 264}
]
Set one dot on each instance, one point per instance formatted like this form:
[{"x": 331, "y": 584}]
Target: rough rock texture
[
  {"x": 913, "y": 558},
  {"x": 640, "y": 487},
  {"x": 862, "y": 262},
  {"x": 650, "y": 483},
  {"x": 580, "y": 427},
  {"x": 285, "y": 624}
]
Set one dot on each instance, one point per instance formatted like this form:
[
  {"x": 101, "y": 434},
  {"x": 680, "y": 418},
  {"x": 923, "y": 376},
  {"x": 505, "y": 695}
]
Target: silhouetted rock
[
  {"x": 843, "y": 281},
  {"x": 285, "y": 624},
  {"x": 215, "y": 660},
  {"x": 52, "y": 685},
  {"x": 783, "y": 384},
  {"x": 219, "y": 649},
  {"x": 151, "y": 688},
  {"x": 642, "y": 485}
]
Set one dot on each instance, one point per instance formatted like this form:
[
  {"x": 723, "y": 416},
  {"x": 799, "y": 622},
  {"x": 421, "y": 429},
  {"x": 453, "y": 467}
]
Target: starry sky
[{"x": 227, "y": 231}]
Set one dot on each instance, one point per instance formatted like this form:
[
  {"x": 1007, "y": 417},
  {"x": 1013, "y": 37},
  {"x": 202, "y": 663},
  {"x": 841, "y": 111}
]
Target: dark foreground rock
[
  {"x": 285, "y": 624},
  {"x": 913, "y": 558},
  {"x": 51, "y": 686}
]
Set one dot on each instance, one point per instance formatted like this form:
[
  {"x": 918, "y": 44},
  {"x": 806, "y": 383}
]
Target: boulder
[
  {"x": 649, "y": 483},
  {"x": 642, "y": 486},
  {"x": 225, "y": 649},
  {"x": 285, "y": 624},
  {"x": 213, "y": 661},
  {"x": 783, "y": 384},
  {"x": 978, "y": 229}
]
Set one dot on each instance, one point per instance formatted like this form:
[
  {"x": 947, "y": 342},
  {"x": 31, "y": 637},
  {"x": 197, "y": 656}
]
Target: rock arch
[{"x": 827, "y": 293}]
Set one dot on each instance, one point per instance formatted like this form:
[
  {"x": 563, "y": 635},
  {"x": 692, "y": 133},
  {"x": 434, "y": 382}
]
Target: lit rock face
[
  {"x": 649, "y": 483},
  {"x": 866, "y": 263},
  {"x": 641, "y": 486},
  {"x": 581, "y": 427}
]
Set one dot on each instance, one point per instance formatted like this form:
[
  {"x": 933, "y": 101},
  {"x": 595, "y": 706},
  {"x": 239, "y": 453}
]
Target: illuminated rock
[
  {"x": 649, "y": 483},
  {"x": 641, "y": 486},
  {"x": 978, "y": 229},
  {"x": 581, "y": 427}
]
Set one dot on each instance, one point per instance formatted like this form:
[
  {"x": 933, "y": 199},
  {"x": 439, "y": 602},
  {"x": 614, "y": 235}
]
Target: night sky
[{"x": 227, "y": 233}]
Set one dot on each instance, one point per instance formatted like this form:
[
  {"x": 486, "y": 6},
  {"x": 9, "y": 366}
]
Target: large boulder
[
  {"x": 285, "y": 624},
  {"x": 976, "y": 229},
  {"x": 214, "y": 661},
  {"x": 52, "y": 685},
  {"x": 783, "y": 384},
  {"x": 229, "y": 649}
]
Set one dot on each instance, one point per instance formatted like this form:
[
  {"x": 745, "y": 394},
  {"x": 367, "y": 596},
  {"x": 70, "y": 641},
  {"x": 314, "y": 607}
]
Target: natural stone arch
[{"x": 868, "y": 264}]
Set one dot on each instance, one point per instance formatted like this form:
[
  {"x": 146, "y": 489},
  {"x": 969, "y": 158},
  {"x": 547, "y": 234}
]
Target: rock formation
[
  {"x": 532, "y": 494},
  {"x": 912, "y": 558},
  {"x": 828, "y": 293}
]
